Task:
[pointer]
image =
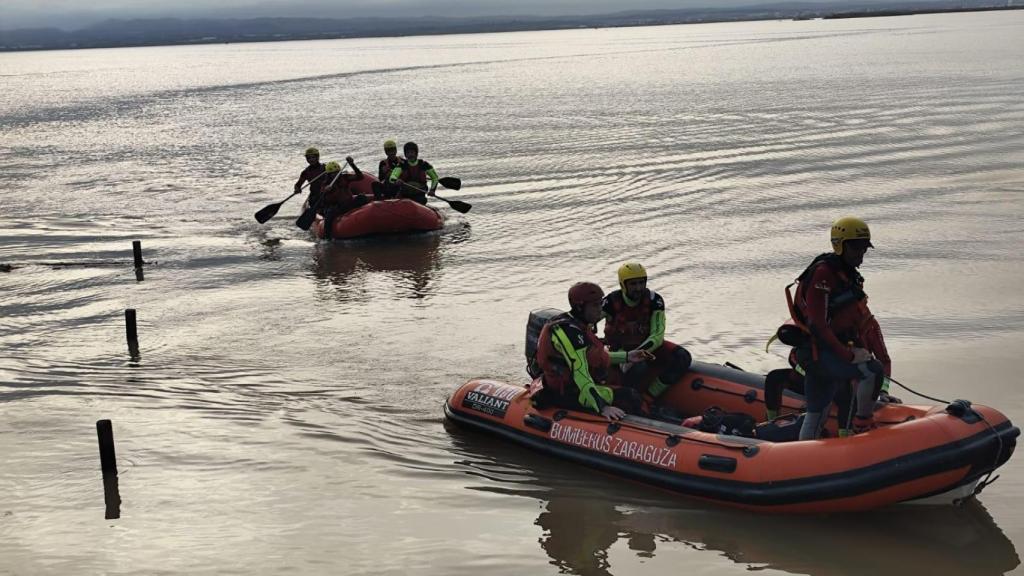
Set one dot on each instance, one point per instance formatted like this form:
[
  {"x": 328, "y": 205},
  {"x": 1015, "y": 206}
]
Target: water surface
[{"x": 284, "y": 412}]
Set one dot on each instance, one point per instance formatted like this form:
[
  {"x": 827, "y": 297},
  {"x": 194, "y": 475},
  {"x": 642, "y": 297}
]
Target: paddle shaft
[{"x": 268, "y": 211}]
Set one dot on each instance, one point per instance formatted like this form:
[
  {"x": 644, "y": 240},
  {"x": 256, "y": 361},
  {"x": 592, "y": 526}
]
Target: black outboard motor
[{"x": 538, "y": 318}]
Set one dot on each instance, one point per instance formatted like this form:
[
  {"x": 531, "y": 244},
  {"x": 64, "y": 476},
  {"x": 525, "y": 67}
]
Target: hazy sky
[{"x": 78, "y": 13}]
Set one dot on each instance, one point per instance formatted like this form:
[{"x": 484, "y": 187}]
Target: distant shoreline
[
  {"x": 885, "y": 13},
  {"x": 177, "y": 32}
]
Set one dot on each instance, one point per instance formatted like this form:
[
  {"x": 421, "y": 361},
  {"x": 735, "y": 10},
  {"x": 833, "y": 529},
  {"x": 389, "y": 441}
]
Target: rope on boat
[
  {"x": 998, "y": 439},
  {"x": 999, "y": 451},
  {"x": 961, "y": 403},
  {"x": 912, "y": 391}
]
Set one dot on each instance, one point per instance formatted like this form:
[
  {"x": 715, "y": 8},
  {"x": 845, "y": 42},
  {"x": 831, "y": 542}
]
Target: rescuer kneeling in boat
[
  {"x": 337, "y": 194},
  {"x": 830, "y": 307},
  {"x": 576, "y": 364},
  {"x": 391, "y": 161},
  {"x": 635, "y": 320},
  {"x": 410, "y": 176}
]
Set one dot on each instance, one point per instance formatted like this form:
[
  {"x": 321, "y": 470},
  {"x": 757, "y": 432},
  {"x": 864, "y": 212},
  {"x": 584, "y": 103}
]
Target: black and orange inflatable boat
[{"x": 917, "y": 453}]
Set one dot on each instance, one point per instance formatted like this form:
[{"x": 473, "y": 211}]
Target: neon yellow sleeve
[
  {"x": 657, "y": 336},
  {"x": 395, "y": 174},
  {"x": 591, "y": 395},
  {"x": 432, "y": 174}
]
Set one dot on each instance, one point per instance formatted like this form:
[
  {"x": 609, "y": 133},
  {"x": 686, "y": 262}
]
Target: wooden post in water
[
  {"x": 108, "y": 463},
  {"x": 137, "y": 256},
  {"x": 131, "y": 331},
  {"x": 105, "y": 434}
]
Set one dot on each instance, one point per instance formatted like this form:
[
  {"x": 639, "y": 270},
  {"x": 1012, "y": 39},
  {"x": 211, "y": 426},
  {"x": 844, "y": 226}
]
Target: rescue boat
[
  {"x": 380, "y": 217},
  {"x": 933, "y": 454}
]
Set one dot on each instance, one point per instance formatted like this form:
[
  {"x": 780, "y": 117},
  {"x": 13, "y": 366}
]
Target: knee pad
[{"x": 678, "y": 366}]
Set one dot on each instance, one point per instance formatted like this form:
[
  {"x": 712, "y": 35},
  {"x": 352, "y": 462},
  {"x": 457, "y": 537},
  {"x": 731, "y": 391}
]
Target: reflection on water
[
  {"x": 579, "y": 531},
  {"x": 583, "y": 516},
  {"x": 268, "y": 246},
  {"x": 900, "y": 540},
  {"x": 410, "y": 260}
]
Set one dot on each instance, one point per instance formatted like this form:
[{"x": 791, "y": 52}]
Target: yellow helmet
[
  {"x": 390, "y": 145},
  {"x": 311, "y": 151},
  {"x": 849, "y": 228},
  {"x": 332, "y": 167},
  {"x": 631, "y": 271}
]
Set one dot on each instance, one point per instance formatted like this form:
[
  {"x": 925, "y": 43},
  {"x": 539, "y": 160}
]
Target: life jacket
[
  {"x": 557, "y": 372},
  {"x": 415, "y": 173},
  {"x": 626, "y": 327},
  {"x": 310, "y": 174},
  {"x": 386, "y": 166},
  {"x": 847, "y": 310}
]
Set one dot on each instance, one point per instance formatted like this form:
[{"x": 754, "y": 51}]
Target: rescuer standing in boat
[{"x": 830, "y": 308}]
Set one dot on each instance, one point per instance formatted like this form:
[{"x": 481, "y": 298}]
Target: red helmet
[{"x": 583, "y": 293}]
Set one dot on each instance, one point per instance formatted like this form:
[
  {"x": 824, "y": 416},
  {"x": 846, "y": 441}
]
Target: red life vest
[
  {"x": 625, "y": 326},
  {"x": 557, "y": 372},
  {"x": 415, "y": 173},
  {"x": 387, "y": 165},
  {"x": 847, "y": 311}
]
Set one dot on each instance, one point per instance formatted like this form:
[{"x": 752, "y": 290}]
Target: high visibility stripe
[{"x": 580, "y": 371}]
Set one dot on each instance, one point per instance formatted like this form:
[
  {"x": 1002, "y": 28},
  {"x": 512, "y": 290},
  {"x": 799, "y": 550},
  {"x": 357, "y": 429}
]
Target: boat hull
[
  {"x": 380, "y": 217},
  {"x": 916, "y": 453}
]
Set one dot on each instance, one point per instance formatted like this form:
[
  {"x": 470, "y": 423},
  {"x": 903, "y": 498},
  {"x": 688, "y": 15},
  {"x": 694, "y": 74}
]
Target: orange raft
[
  {"x": 930, "y": 454},
  {"x": 380, "y": 217}
]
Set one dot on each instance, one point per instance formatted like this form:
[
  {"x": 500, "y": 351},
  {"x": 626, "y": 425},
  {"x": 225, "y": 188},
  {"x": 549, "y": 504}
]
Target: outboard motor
[{"x": 538, "y": 318}]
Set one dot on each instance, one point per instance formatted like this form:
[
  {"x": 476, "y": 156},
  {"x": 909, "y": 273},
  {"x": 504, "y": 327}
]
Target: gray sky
[{"x": 77, "y": 13}]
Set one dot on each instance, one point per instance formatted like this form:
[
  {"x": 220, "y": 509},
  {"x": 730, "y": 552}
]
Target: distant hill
[{"x": 163, "y": 31}]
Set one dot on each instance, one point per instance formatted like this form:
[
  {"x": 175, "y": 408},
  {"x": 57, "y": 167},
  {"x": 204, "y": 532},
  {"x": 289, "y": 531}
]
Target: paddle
[
  {"x": 305, "y": 220},
  {"x": 457, "y": 205},
  {"x": 448, "y": 182},
  {"x": 268, "y": 211}
]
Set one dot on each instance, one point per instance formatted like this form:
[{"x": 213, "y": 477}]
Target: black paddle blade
[
  {"x": 305, "y": 220},
  {"x": 451, "y": 183},
  {"x": 268, "y": 212},
  {"x": 459, "y": 206}
]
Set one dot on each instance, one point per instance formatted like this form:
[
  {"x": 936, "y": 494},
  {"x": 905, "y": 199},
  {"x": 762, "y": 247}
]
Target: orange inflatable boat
[
  {"x": 382, "y": 217},
  {"x": 916, "y": 453}
]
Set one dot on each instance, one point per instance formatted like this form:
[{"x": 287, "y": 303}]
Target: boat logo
[{"x": 490, "y": 397}]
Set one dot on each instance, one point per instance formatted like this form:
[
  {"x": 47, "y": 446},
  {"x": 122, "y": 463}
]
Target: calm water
[{"x": 285, "y": 411}]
